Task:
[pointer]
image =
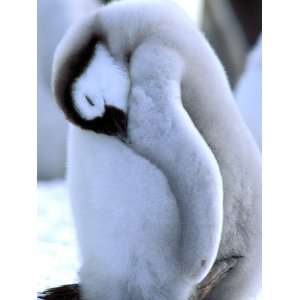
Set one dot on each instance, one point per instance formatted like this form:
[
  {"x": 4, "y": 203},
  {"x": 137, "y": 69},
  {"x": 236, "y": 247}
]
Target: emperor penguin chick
[
  {"x": 180, "y": 116},
  {"x": 145, "y": 230}
]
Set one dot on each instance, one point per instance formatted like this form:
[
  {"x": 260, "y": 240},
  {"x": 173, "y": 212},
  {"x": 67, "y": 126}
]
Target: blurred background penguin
[{"x": 54, "y": 18}]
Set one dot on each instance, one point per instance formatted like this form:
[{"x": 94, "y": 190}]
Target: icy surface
[{"x": 57, "y": 256}]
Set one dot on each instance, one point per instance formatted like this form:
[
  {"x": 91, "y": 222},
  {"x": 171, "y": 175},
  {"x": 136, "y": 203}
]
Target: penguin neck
[
  {"x": 162, "y": 132},
  {"x": 194, "y": 177}
]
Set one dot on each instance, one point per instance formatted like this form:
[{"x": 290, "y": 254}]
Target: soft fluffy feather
[
  {"x": 128, "y": 26},
  {"x": 131, "y": 228},
  {"x": 96, "y": 86},
  {"x": 162, "y": 131},
  {"x": 126, "y": 219}
]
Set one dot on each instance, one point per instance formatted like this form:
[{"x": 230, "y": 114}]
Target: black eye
[{"x": 90, "y": 102}]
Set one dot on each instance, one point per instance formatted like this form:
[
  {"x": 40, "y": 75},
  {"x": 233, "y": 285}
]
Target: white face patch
[{"x": 104, "y": 82}]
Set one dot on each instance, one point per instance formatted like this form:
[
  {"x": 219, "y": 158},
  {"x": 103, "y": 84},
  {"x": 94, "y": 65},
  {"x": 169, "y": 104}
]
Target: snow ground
[{"x": 57, "y": 257}]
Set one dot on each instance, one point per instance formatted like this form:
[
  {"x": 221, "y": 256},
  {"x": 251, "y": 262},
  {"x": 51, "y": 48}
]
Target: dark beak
[{"x": 113, "y": 123}]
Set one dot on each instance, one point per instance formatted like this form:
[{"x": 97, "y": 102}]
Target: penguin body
[
  {"x": 183, "y": 120},
  {"x": 126, "y": 215},
  {"x": 124, "y": 211},
  {"x": 126, "y": 220}
]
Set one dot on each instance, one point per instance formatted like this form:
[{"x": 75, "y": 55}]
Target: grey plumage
[{"x": 138, "y": 29}]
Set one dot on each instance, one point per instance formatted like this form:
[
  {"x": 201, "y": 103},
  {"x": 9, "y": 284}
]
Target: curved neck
[
  {"x": 194, "y": 177},
  {"x": 161, "y": 131}
]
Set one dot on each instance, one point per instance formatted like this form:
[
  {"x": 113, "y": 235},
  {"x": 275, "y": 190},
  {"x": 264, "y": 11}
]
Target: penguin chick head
[
  {"x": 92, "y": 89},
  {"x": 100, "y": 93}
]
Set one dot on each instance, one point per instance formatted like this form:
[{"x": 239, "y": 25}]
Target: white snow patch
[{"x": 57, "y": 257}]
